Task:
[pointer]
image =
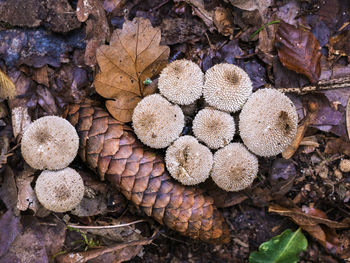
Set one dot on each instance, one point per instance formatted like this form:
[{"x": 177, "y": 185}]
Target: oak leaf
[
  {"x": 299, "y": 50},
  {"x": 133, "y": 55}
]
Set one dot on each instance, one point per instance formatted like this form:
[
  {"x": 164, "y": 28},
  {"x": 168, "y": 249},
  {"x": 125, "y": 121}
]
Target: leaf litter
[{"x": 53, "y": 65}]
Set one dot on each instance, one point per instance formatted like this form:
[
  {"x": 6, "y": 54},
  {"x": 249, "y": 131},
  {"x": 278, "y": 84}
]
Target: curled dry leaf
[
  {"x": 316, "y": 223},
  {"x": 291, "y": 149},
  {"x": 299, "y": 50},
  {"x": 7, "y": 87},
  {"x": 133, "y": 55}
]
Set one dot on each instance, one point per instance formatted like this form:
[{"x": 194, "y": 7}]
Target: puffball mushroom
[
  {"x": 268, "y": 122},
  {"x": 50, "y": 142},
  {"x": 234, "y": 167},
  {"x": 61, "y": 190},
  {"x": 157, "y": 122},
  {"x": 344, "y": 165},
  {"x": 188, "y": 161},
  {"x": 215, "y": 128},
  {"x": 181, "y": 82},
  {"x": 226, "y": 87}
]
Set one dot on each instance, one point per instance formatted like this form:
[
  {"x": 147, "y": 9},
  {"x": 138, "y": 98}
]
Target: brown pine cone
[{"x": 112, "y": 150}]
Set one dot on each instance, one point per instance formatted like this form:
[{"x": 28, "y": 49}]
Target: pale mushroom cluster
[
  {"x": 267, "y": 124},
  {"x": 51, "y": 143}
]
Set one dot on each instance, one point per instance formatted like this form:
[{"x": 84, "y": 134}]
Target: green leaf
[{"x": 284, "y": 248}]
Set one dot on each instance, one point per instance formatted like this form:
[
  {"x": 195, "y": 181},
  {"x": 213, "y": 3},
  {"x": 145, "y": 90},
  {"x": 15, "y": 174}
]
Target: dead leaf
[
  {"x": 20, "y": 120},
  {"x": 134, "y": 54},
  {"x": 251, "y": 5},
  {"x": 316, "y": 223},
  {"x": 180, "y": 30},
  {"x": 121, "y": 252},
  {"x": 97, "y": 28},
  {"x": 223, "y": 20},
  {"x": 293, "y": 147},
  {"x": 26, "y": 196},
  {"x": 7, "y": 87},
  {"x": 198, "y": 9},
  {"x": 337, "y": 145},
  {"x": 8, "y": 190},
  {"x": 10, "y": 228},
  {"x": 347, "y": 116},
  {"x": 299, "y": 50},
  {"x": 308, "y": 218}
]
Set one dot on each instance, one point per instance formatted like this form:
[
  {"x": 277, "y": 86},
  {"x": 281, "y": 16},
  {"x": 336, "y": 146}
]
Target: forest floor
[{"x": 48, "y": 49}]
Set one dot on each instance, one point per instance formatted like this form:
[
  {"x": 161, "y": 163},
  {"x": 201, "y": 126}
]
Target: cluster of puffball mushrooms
[
  {"x": 50, "y": 144},
  {"x": 267, "y": 124}
]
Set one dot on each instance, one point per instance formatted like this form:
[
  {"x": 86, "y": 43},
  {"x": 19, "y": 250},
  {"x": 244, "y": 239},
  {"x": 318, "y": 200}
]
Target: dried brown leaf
[
  {"x": 7, "y": 87},
  {"x": 97, "y": 28},
  {"x": 133, "y": 55},
  {"x": 299, "y": 50},
  {"x": 339, "y": 45},
  {"x": 223, "y": 20},
  {"x": 316, "y": 223},
  {"x": 307, "y": 219}
]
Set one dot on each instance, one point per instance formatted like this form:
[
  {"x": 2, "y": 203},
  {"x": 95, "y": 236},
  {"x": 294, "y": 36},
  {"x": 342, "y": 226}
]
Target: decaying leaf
[
  {"x": 316, "y": 223},
  {"x": 199, "y": 10},
  {"x": 133, "y": 55},
  {"x": 283, "y": 248},
  {"x": 347, "y": 116},
  {"x": 291, "y": 149},
  {"x": 251, "y": 5},
  {"x": 26, "y": 196},
  {"x": 339, "y": 45},
  {"x": 299, "y": 50},
  {"x": 7, "y": 87},
  {"x": 223, "y": 20},
  {"x": 97, "y": 28},
  {"x": 20, "y": 120}
]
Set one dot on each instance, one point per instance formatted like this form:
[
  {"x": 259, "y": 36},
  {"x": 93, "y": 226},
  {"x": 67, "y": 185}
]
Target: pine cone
[{"x": 112, "y": 150}]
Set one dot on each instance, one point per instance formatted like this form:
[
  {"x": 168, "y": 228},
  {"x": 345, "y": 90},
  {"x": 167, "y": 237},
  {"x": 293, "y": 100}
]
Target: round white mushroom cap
[
  {"x": 213, "y": 127},
  {"x": 181, "y": 82},
  {"x": 234, "y": 168},
  {"x": 188, "y": 161},
  {"x": 268, "y": 122},
  {"x": 226, "y": 87},
  {"x": 157, "y": 122},
  {"x": 61, "y": 190},
  {"x": 50, "y": 142}
]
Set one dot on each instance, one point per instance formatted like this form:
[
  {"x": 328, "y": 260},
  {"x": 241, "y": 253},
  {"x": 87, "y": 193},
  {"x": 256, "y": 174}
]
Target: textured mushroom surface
[
  {"x": 181, "y": 82},
  {"x": 227, "y": 87},
  {"x": 61, "y": 190},
  {"x": 157, "y": 122},
  {"x": 50, "y": 142},
  {"x": 344, "y": 165},
  {"x": 213, "y": 127},
  {"x": 188, "y": 161},
  {"x": 234, "y": 168},
  {"x": 111, "y": 148},
  {"x": 268, "y": 122}
]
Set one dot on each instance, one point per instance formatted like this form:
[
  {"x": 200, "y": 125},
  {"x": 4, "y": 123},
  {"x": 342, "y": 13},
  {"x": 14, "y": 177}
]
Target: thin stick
[{"x": 106, "y": 227}]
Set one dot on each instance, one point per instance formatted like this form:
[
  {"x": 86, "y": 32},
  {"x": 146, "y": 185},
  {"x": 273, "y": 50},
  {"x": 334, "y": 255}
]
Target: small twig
[{"x": 106, "y": 227}]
